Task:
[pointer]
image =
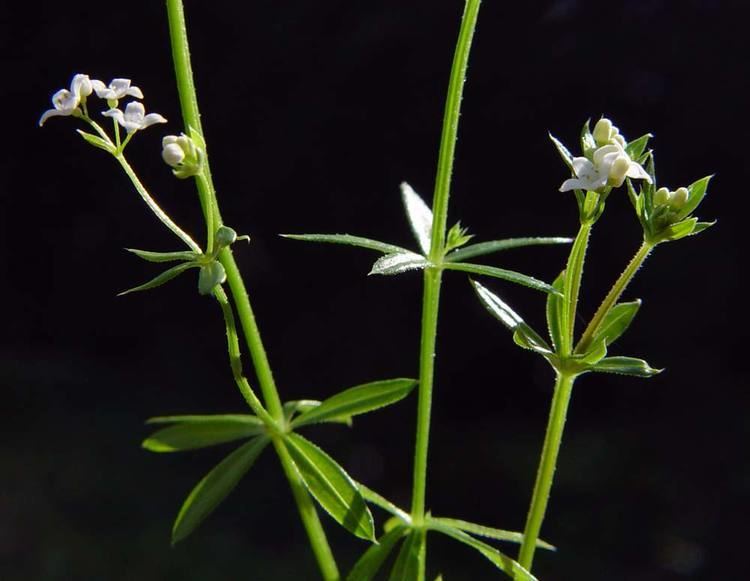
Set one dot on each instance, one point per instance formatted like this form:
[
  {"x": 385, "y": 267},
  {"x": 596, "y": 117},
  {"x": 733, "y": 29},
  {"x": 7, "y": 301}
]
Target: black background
[{"x": 314, "y": 113}]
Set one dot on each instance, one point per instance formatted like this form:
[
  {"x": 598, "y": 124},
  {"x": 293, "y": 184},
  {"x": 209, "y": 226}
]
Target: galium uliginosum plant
[
  {"x": 313, "y": 475},
  {"x": 607, "y": 163}
]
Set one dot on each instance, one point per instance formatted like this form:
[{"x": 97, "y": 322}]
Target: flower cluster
[
  {"x": 606, "y": 162},
  {"x": 67, "y": 101},
  {"x": 182, "y": 154}
]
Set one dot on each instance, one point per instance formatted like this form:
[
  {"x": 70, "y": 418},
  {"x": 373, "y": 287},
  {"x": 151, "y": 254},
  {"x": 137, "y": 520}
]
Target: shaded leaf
[
  {"x": 696, "y": 193},
  {"x": 554, "y": 312},
  {"x": 378, "y": 500},
  {"x": 164, "y": 256},
  {"x": 701, "y": 226},
  {"x": 163, "y": 278},
  {"x": 681, "y": 229},
  {"x": 399, "y": 262},
  {"x": 406, "y": 567},
  {"x": 419, "y": 215},
  {"x": 331, "y": 486},
  {"x": 97, "y": 141},
  {"x": 597, "y": 351},
  {"x": 617, "y": 322},
  {"x": 502, "y": 273},
  {"x": 215, "y": 487},
  {"x": 626, "y": 366},
  {"x": 348, "y": 240},
  {"x": 207, "y": 431},
  {"x": 524, "y": 336},
  {"x": 489, "y": 532},
  {"x": 482, "y": 248},
  {"x": 636, "y": 147},
  {"x": 372, "y": 560},
  {"x": 206, "y": 418},
  {"x": 357, "y": 400}
]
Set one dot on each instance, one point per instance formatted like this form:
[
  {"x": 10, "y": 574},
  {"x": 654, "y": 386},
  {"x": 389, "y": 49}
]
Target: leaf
[
  {"x": 554, "y": 312},
  {"x": 587, "y": 140},
  {"x": 596, "y": 353},
  {"x": 457, "y": 236},
  {"x": 625, "y": 366},
  {"x": 96, "y": 141},
  {"x": 496, "y": 306},
  {"x": 617, "y": 322},
  {"x": 696, "y": 191},
  {"x": 636, "y": 147},
  {"x": 163, "y": 278},
  {"x": 500, "y": 560},
  {"x": 482, "y": 248},
  {"x": 208, "y": 431},
  {"x": 349, "y": 241},
  {"x": 399, "y": 262},
  {"x": 215, "y": 486},
  {"x": 489, "y": 532},
  {"x": 374, "y": 498},
  {"x": 681, "y": 229},
  {"x": 524, "y": 336},
  {"x": 508, "y": 275},
  {"x": 406, "y": 567},
  {"x": 420, "y": 217},
  {"x": 701, "y": 226},
  {"x": 211, "y": 275},
  {"x": 372, "y": 560},
  {"x": 357, "y": 400},
  {"x": 563, "y": 151},
  {"x": 207, "y": 418},
  {"x": 163, "y": 256},
  {"x": 331, "y": 486}
]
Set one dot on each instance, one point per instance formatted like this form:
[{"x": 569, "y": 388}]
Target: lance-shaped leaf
[
  {"x": 215, "y": 487},
  {"x": 378, "y": 500},
  {"x": 567, "y": 157},
  {"x": 348, "y": 240},
  {"x": 500, "y": 560},
  {"x": 163, "y": 278},
  {"x": 331, "y": 486},
  {"x": 292, "y": 408},
  {"x": 372, "y": 560},
  {"x": 96, "y": 141},
  {"x": 525, "y": 337},
  {"x": 406, "y": 567},
  {"x": 680, "y": 229},
  {"x": 420, "y": 217},
  {"x": 399, "y": 262},
  {"x": 357, "y": 400},
  {"x": 625, "y": 366},
  {"x": 696, "y": 193},
  {"x": 617, "y": 322},
  {"x": 555, "y": 305},
  {"x": 191, "y": 432},
  {"x": 488, "y": 532},
  {"x": 502, "y": 273},
  {"x": 482, "y": 248},
  {"x": 151, "y": 256},
  {"x": 636, "y": 147},
  {"x": 597, "y": 351}
]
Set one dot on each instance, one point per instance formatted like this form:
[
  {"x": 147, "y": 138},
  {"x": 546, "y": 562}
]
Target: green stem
[
  {"x": 546, "y": 471},
  {"x": 572, "y": 286},
  {"x": 154, "y": 207},
  {"x": 613, "y": 296}
]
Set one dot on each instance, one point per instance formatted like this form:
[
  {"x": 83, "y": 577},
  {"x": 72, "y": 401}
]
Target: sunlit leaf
[
  {"x": 163, "y": 278},
  {"x": 525, "y": 337},
  {"x": 488, "y": 532},
  {"x": 419, "y": 215},
  {"x": 331, "y": 486},
  {"x": 164, "y": 256},
  {"x": 202, "y": 431},
  {"x": 348, "y": 240},
  {"x": 97, "y": 141},
  {"x": 636, "y": 147},
  {"x": 372, "y": 560},
  {"x": 681, "y": 229},
  {"x": 482, "y": 248},
  {"x": 399, "y": 262},
  {"x": 496, "y": 306},
  {"x": 554, "y": 312},
  {"x": 502, "y": 273},
  {"x": 567, "y": 157},
  {"x": 596, "y": 352},
  {"x": 215, "y": 487},
  {"x": 374, "y": 498},
  {"x": 626, "y": 366},
  {"x": 357, "y": 400},
  {"x": 696, "y": 191},
  {"x": 617, "y": 322},
  {"x": 406, "y": 567}
]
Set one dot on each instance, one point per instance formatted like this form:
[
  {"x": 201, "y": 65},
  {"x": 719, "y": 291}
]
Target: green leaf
[
  {"x": 488, "y": 532},
  {"x": 482, "y": 248},
  {"x": 508, "y": 275},
  {"x": 357, "y": 400},
  {"x": 587, "y": 140},
  {"x": 107, "y": 146},
  {"x": 211, "y": 275},
  {"x": 636, "y": 147},
  {"x": 500, "y": 560},
  {"x": 524, "y": 336},
  {"x": 696, "y": 193},
  {"x": 207, "y": 431},
  {"x": 496, "y": 306},
  {"x": 331, "y": 486},
  {"x": 563, "y": 151},
  {"x": 701, "y": 226},
  {"x": 597, "y": 351},
  {"x": 372, "y": 560},
  {"x": 626, "y": 366},
  {"x": 164, "y": 256},
  {"x": 406, "y": 567},
  {"x": 206, "y": 418},
  {"x": 617, "y": 321},
  {"x": 215, "y": 487},
  {"x": 348, "y": 240},
  {"x": 399, "y": 262},
  {"x": 554, "y": 312},
  {"x": 163, "y": 278},
  {"x": 374, "y": 498},
  {"x": 420, "y": 217},
  {"x": 457, "y": 236},
  {"x": 681, "y": 229}
]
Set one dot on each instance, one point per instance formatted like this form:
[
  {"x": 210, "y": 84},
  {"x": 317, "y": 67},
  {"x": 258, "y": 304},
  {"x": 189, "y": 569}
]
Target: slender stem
[
  {"x": 154, "y": 207},
  {"x": 572, "y": 286},
  {"x": 450, "y": 129},
  {"x": 613, "y": 296},
  {"x": 546, "y": 471}
]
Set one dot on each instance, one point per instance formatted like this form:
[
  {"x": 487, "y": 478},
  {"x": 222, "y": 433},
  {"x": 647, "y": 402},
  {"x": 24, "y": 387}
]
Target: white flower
[
  {"x": 609, "y": 166},
  {"x": 116, "y": 90},
  {"x": 182, "y": 154},
  {"x": 66, "y": 101},
  {"x": 134, "y": 117}
]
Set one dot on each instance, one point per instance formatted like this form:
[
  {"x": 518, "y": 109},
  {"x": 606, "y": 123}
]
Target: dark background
[{"x": 314, "y": 112}]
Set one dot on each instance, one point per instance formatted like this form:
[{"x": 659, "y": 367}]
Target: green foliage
[
  {"x": 190, "y": 432},
  {"x": 163, "y": 278},
  {"x": 373, "y": 558},
  {"x": 406, "y": 567}
]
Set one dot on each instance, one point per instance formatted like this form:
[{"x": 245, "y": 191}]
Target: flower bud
[
  {"x": 679, "y": 198},
  {"x": 602, "y": 131},
  {"x": 172, "y": 154},
  {"x": 182, "y": 155},
  {"x": 661, "y": 197},
  {"x": 225, "y": 236},
  {"x": 619, "y": 170}
]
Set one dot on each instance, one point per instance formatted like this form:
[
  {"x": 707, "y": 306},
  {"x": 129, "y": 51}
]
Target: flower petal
[{"x": 152, "y": 118}]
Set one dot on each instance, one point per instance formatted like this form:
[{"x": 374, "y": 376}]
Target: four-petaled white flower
[
  {"x": 116, "y": 90},
  {"x": 66, "y": 101},
  {"x": 609, "y": 166},
  {"x": 134, "y": 117}
]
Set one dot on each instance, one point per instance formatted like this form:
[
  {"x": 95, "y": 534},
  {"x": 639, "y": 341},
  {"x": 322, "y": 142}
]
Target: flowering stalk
[{"x": 212, "y": 214}]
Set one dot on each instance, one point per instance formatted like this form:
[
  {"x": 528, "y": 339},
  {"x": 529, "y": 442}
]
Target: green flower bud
[
  {"x": 602, "y": 131},
  {"x": 661, "y": 197},
  {"x": 618, "y": 171},
  {"x": 225, "y": 236},
  {"x": 679, "y": 198}
]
